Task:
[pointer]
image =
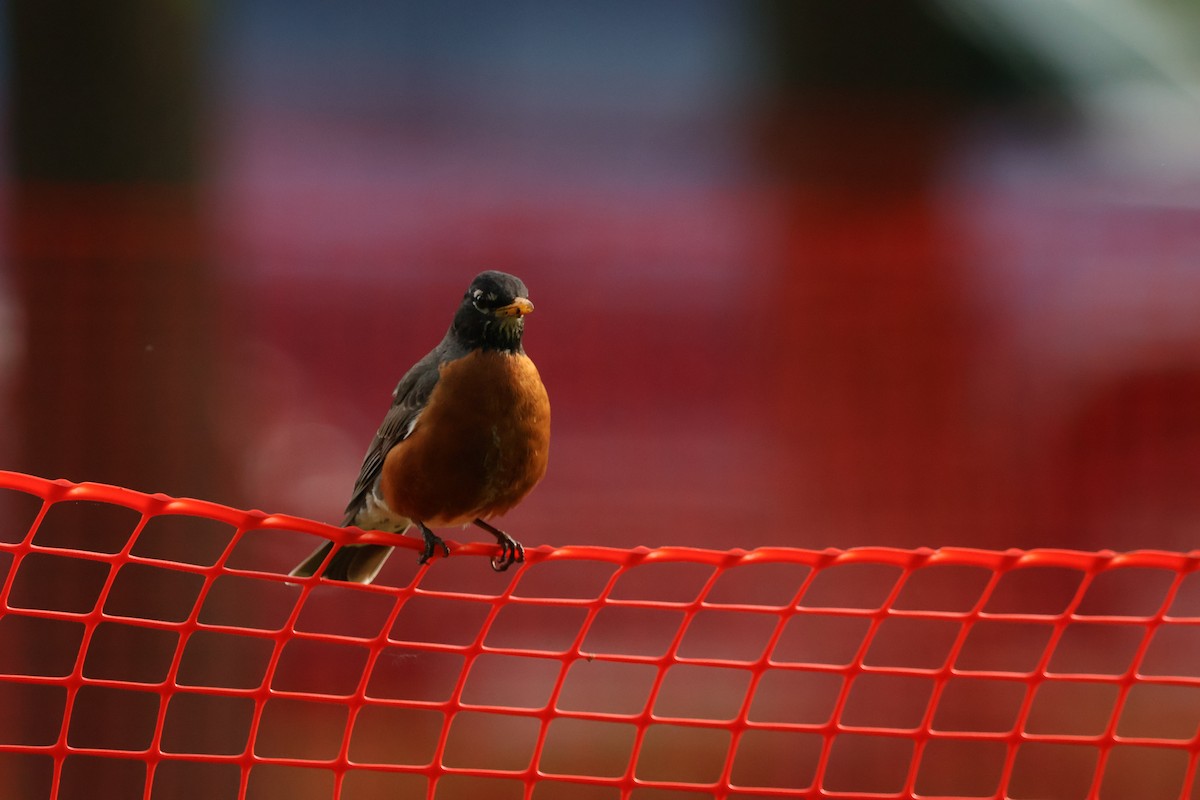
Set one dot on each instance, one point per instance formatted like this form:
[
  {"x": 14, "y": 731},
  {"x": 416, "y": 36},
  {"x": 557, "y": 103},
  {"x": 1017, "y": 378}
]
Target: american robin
[{"x": 466, "y": 438}]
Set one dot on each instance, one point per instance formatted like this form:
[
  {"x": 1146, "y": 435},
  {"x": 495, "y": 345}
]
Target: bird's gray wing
[{"x": 408, "y": 401}]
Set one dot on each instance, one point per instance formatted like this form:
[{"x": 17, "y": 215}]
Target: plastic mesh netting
[{"x": 152, "y": 647}]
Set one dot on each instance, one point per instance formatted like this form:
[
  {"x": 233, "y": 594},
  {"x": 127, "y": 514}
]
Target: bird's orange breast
[{"x": 479, "y": 446}]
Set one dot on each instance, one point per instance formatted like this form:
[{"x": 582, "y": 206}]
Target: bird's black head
[{"x": 492, "y": 314}]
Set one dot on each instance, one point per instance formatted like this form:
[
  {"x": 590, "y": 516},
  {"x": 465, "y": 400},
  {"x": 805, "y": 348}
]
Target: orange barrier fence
[{"x": 153, "y": 647}]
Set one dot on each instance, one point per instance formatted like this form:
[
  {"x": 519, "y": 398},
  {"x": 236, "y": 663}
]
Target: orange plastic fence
[{"x": 152, "y": 647}]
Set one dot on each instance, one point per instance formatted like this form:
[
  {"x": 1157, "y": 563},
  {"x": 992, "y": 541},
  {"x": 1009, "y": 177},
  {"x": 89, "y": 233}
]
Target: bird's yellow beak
[{"x": 517, "y": 308}]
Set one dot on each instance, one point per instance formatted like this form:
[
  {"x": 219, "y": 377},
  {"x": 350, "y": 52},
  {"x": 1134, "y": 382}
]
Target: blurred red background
[
  {"x": 800, "y": 279},
  {"x": 806, "y": 274}
]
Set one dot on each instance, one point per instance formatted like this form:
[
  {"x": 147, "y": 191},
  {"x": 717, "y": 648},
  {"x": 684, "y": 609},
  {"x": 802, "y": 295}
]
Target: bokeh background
[{"x": 807, "y": 273}]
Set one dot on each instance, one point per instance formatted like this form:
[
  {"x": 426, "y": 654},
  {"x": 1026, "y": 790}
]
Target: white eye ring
[{"x": 478, "y": 297}]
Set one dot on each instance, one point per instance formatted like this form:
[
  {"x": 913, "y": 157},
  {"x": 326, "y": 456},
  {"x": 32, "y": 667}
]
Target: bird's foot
[
  {"x": 432, "y": 543},
  {"x": 511, "y": 551}
]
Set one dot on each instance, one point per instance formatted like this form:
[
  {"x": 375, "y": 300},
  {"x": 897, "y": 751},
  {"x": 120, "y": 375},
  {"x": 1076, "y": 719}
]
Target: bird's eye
[{"x": 482, "y": 300}]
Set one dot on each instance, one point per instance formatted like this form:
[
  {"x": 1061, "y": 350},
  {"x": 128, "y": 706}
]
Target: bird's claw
[
  {"x": 511, "y": 552},
  {"x": 432, "y": 543}
]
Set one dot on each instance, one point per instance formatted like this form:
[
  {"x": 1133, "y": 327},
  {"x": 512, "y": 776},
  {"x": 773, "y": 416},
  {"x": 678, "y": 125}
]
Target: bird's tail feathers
[{"x": 356, "y": 563}]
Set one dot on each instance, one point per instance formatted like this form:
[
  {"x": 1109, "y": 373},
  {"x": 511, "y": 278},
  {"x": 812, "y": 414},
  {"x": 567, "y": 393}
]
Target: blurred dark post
[
  {"x": 115, "y": 287},
  {"x": 864, "y": 102},
  {"x": 117, "y": 294}
]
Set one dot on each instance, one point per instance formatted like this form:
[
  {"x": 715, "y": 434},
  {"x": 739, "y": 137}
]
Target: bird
[{"x": 466, "y": 438}]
